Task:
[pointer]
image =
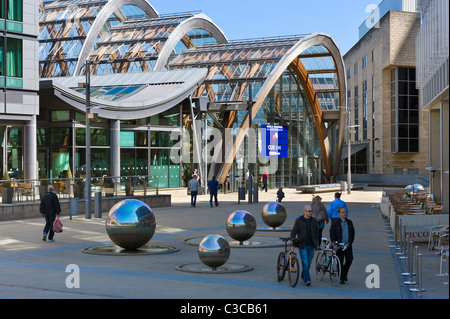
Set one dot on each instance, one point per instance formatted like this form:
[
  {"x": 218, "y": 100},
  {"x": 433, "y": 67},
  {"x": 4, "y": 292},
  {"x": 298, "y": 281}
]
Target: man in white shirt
[{"x": 193, "y": 186}]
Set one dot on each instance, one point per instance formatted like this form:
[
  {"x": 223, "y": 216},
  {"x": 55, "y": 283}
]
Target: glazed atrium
[{"x": 160, "y": 84}]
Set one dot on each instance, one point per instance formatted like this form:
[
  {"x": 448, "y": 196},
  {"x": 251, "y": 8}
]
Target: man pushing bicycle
[{"x": 342, "y": 231}]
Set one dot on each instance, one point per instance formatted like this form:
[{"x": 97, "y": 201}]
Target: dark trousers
[
  {"x": 345, "y": 266},
  {"x": 211, "y": 199},
  {"x": 264, "y": 186},
  {"x": 48, "y": 229},
  {"x": 193, "y": 198}
]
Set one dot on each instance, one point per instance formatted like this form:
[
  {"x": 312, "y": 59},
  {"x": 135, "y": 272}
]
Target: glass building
[{"x": 161, "y": 85}]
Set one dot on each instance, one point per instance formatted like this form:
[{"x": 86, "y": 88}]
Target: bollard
[
  {"x": 404, "y": 244},
  {"x": 410, "y": 272},
  {"x": 98, "y": 205},
  {"x": 419, "y": 290},
  {"x": 400, "y": 239},
  {"x": 73, "y": 207}
]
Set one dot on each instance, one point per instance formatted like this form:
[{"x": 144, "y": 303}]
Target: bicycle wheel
[
  {"x": 293, "y": 271},
  {"x": 335, "y": 270},
  {"x": 281, "y": 268},
  {"x": 320, "y": 265}
]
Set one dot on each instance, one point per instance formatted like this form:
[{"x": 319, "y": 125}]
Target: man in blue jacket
[
  {"x": 213, "y": 185},
  {"x": 333, "y": 208}
]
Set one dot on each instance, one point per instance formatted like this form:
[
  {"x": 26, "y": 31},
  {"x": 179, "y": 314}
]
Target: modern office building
[
  {"x": 389, "y": 132},
  {"x": 19, "y": 81},
  {"x": 432, "y": 81},
  {"x": 161, "y": 84}
]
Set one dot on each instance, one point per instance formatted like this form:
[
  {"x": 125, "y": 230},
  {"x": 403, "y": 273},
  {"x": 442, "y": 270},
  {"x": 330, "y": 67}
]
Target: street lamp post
[{"x": 88, "y": 142}]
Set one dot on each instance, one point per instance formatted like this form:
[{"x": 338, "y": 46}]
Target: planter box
[{"x": 7, "y": 195}]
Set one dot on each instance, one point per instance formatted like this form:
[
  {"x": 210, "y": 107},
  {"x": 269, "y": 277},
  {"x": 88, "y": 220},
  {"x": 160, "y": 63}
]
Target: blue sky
[{"x": 244, "y": 19}]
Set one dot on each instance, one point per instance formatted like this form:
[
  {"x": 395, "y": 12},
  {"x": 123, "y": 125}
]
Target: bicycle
[
  {"x": 328, "y": 261},
  {"x": 287, "y": 261}
]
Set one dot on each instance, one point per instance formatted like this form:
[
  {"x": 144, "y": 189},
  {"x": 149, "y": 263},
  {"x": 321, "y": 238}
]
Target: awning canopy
[{"x": 355, "y": 148}]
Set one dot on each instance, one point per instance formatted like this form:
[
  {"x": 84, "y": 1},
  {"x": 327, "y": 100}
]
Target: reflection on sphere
[
  {"x": 130, "y": 224},
  {"x": 214, "y": 251},
  {"x": 241, "y": 225},
  {"x": 274, "y": 214}
]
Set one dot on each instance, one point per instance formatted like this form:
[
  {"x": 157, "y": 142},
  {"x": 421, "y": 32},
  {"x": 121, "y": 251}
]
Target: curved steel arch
[
  {"x": 198, "y": 21},
  {"x": 101, "y": 19},
  {"x": 292, "y": 58}
]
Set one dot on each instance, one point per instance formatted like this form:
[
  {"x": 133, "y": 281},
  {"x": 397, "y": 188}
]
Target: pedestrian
[
  {"x": 342, "y": 231},
  {"x": 280, "y": 195},
  {"x": 320, "y": 213},
  {"x": 333, "y": 208},
  {"x": 213, "y": 186},
  {"x": 193, "y": 186},
  {"x": 247, "y": 178},
  {"x": 49, "y": 209},
  {"x": 264, "y": 180},
  {"x": 304, "y": 236}
]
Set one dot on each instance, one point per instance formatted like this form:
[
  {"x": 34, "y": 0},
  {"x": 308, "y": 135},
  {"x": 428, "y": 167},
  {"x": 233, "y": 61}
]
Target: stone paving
[{"x": 33, "y": 269}]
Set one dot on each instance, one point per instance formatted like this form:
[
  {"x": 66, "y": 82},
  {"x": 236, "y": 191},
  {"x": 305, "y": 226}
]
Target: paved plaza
[{"x": 33, "y": 269}]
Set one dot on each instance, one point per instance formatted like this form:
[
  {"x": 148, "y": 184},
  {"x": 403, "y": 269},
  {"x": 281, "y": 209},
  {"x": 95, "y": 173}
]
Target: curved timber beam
[
  {"x": 100, "y": 21},
  {"x": 198, "y": 21},
  {"x": 316, "y": 39}
]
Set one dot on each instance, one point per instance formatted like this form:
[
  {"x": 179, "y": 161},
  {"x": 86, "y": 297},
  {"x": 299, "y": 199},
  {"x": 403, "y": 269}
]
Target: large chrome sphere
[
  {"x": 274, "y": 214},
  {"x": 417, "y": 187},
  {"x": 214, "y": 251},
  {"x": 130, "y": 224},
  {"x": 241, "y": 225}
]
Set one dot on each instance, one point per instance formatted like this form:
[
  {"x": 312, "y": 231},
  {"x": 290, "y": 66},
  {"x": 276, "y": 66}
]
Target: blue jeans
[
  {"x": 194, "y": 198},
  {"x": 211, "y": 199},
  {"x": 48, "y": 229},
  {"x": 306, "y": 255}
]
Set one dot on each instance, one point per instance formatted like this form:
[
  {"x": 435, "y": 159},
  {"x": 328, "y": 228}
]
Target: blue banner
[{"x": 274, "y": 141}]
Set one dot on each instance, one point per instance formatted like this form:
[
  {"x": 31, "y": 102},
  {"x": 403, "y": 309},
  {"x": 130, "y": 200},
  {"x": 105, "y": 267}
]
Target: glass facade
[{"x": 62, "y": 144}]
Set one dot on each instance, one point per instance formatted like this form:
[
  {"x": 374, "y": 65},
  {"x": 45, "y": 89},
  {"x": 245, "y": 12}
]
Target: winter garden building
[{"x": 160, "y": 84}]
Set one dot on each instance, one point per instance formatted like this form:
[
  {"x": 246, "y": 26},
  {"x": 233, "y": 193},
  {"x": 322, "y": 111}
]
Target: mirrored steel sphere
[
  {"x": 417, "y": 187},
  {"x": 241, "y": 225},
  {"x": 130, "y": 224},
  {"x": 214, "y": 251},
  {"x": 274, "y": 214}
]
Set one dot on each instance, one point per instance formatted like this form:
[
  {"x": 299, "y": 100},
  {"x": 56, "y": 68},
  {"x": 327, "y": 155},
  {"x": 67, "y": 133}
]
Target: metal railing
[{"x": 31, "y": 190}]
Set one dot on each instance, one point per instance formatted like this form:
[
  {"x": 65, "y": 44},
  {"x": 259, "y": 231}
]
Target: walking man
[
  {"x": 343, "y": 231},
  {"x": 49, "y": 209},
  {"x": 304, "y": 236},
  {"x": 213, "y": 186},
  {"x": 193, "y": 186},
  {"x": 333, "y": 208}
]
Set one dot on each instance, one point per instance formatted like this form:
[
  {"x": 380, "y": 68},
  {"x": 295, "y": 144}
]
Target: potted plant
[
  {"x": 7, "y": 190},
  {"x": 129, "y": 189}
]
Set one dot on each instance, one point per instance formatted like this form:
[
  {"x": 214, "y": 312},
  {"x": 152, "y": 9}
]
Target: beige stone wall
[{"x": 393, "y": 42}]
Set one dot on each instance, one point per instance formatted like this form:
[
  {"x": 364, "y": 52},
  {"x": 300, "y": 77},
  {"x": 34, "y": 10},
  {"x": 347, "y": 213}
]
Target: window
[
  {"x": 349, "y": 74},
  {"x": 13, "y": 57},
  {"x": 364, "y": 97},
  {"x": 356, "y": 68},
  {"x": 364, "y": 62},
  {"x": 404, "y": 111},
  {"x": 14, "y": 10}
]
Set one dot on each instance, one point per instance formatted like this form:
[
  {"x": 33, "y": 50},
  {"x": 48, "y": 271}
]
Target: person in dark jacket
[
  {"x": 342, "y": 231},
  {"x": 49, "y": 209},
  {"x": 304, "y": 236}
]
